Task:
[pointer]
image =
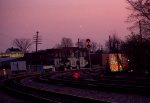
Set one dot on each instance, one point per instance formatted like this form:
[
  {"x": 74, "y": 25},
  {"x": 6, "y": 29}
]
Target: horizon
[{"x": 94, "y": 19}]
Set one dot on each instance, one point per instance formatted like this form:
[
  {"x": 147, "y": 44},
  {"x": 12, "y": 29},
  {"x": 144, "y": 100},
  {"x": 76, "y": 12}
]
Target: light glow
[
  {"x": 118, "y": 62},
  {"x": 14, "y": 55}
]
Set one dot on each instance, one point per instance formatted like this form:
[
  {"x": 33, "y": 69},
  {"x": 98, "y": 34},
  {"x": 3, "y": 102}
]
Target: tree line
[
  {"x": 137, "y": 43},
  {"x": 24, "y": 44}
]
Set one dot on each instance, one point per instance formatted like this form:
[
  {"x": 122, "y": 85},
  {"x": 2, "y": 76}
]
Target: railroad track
[
  {"x": 15, "y": 87},
  {"x": 126, "y": 85}
]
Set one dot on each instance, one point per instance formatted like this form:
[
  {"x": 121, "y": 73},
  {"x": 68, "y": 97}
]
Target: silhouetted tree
[
  {"x": 113, "y": 44},
  {"x": 66, "y": 42},
  {"x": 140, "y": 12},
  {"x": 57, "y": 46},
  {"x": 94, "y": 46},
  {"x": 82, "y": 43},
  {"x": 137, "y": 45},
  {"x": 22, "y": 43},
  {"x": 138, "y": 53}
]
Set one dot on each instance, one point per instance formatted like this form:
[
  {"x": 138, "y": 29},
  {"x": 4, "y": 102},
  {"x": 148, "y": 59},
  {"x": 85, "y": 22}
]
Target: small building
[
  {"x": 18, "y": 65},
  {"x": 12, "y": 53},
  {"x": 9, "y": 66},
  {"x": 12, "y": 50}
]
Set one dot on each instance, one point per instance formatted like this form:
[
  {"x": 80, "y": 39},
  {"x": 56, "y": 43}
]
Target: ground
[{"x": 8, "y": 98}]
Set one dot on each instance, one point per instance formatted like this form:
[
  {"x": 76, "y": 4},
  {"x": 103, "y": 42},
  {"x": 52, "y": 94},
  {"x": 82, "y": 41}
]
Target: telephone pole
[
  {"x": 37, "y": 40},
  {"x": 141, "y": 47},
  {"x": 110, "y": 45},
  {"x": 140, "y": 27},
  {"x": 78, "y": 54}
]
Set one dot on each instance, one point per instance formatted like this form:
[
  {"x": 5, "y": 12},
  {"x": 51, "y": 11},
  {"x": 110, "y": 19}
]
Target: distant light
[
  {"x": 16, "y": 55},
  {"x": 4, "y": 72},
  {"x": 76, "y": 75},
  {"x": 131, "y": 70}
]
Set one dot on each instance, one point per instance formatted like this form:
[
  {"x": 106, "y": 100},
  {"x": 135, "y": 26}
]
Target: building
[
  {"x": 67, "y": 57},
  {"x": 12, "y": 53}
]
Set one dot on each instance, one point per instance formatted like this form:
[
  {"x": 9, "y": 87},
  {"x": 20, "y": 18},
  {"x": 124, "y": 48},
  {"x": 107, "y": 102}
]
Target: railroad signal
[
  {"x": 88, "y": 40},
  {"x": 76, "y": 75},
  {"x": 88, "y": 45}
]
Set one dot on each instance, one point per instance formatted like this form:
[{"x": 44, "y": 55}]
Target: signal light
[
  {"x": 76, "y": 75},
  {"x": 88, "y": 46},
  {"x": 88, "y": 43},
  {"x": 88, "y": 40}
]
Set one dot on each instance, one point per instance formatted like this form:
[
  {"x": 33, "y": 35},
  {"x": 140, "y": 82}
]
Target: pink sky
[{"x": 54, "y": 19}]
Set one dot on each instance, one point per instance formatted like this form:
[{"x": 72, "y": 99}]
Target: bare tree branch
[
  {"x": 66, "y": 42},
  {"x": 140, "y": 12},
  {"x": 22, "y": 44}
]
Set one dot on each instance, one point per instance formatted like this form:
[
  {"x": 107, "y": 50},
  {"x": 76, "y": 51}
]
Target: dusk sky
[{"x": 54, "y": 19}]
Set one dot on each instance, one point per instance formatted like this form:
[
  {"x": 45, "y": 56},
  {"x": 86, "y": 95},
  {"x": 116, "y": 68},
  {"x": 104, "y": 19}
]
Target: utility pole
[
  {"x": 118, "y": 59},
  {"x": 88, "y": 45},
  {"x": 90, "y": 58},
  {"x": 109, "y": 44},
  {"x": 36, "y": 40},
  {"x": 78, "y": 54},
  {"x": 140, "y": 27},
  {"x": 141, "y": 45}
]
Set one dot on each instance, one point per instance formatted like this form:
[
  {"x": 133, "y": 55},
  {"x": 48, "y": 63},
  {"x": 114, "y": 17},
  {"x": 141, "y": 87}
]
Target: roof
[
  {"x": 9, "y": 50},
  {"x": 6, "y": 59},
  {"x": 13, "y": 60}
]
